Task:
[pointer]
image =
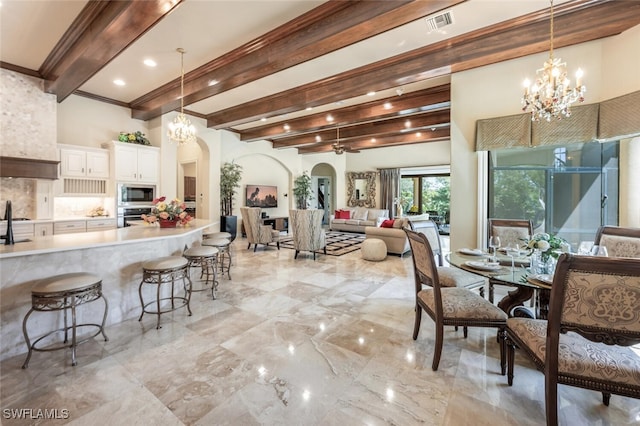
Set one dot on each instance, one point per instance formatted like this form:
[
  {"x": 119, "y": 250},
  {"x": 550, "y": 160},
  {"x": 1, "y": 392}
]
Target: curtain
[{"x": 389, "y": 188}]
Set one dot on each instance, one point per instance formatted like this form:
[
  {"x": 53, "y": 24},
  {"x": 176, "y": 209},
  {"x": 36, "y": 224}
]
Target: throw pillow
[
  {"x": 399, "y": 223},
  {"x": 388, "y": 223},
  {"x": 360, "y": 214}
]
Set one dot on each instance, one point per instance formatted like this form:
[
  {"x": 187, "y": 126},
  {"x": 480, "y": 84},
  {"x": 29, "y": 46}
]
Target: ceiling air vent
[{"x": 436, "y": 22}]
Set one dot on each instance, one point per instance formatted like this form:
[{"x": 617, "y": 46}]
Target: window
[
  {"x": 426, "y": 192},
  {"x": 566, "y": 190}
]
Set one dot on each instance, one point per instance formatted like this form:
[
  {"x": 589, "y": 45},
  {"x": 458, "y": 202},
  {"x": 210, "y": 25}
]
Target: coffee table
[{"x": 523, "y": 289}]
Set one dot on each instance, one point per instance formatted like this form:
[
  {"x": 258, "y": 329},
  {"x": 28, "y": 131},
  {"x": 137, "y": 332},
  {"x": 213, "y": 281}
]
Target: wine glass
[
  {"x": 585, "y": 247},
  {"x": 494, "y": 244},
  {"x": 599, "y": 251},
  {"x": 512, "y": 250}
]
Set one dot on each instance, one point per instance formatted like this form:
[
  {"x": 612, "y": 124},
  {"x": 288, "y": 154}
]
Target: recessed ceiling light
[
  {"x": 373, "y": 140},
  {"x": 407, "y": 124},
  {"x": 150, "y": 63},
  {"x": 329, "y": 118},
  {"x": 286, "y": 127},
  {"x": 433, "y": 129},
  {"x": 119, "y": 82},
  {"x": 371, "y": 93},
  {"x": 309, "y": 108},
  {"x": 318, "y": 138},
  {"x": 418, "y": 134},
  {"x": 263, "y": 119},
  {"x": 387, "y": 105},
  {"x": 213, "y": 82}
]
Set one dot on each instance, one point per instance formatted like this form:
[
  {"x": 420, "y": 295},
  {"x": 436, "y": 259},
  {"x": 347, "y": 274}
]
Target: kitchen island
[{"x": 115, "y": 255}]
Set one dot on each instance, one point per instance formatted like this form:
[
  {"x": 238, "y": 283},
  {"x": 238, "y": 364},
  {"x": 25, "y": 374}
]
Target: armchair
[
  {"x": 307, "y": 232},
  {"x": 593, "y": 319},
  {"x": 257, "y": 233}
]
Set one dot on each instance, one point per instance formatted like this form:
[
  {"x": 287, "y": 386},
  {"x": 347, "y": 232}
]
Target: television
[{"x": 261, "y": 196}]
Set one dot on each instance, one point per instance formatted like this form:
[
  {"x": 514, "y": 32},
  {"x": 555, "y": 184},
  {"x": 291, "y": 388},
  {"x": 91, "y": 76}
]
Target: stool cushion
[
  {"x": 217, "y": 242},
  {"x": 164, "y": 263},
  {"x": 65, "y": 282},
  {"x": 200, "y": 251},
  {"x": 216, "y": 235},
  {"x": 374, "y": 249}
]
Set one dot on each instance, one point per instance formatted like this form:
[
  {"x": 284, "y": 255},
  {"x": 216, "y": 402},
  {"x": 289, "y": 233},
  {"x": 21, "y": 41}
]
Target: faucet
[{"x": 8, "y": 216}]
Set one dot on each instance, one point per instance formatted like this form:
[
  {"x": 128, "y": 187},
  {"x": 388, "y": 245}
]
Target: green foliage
[
  {"x": 302, "y": 190},
  {"x": 137, "y": 138},
  {"x": 518, "y": 194},
  {"x": 230, "y": 176}
]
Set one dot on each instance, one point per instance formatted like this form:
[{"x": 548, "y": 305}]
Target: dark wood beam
[
  {"x": 368, "y": 130},
  {"x": 576, "y": 22},
  {"x": 102, "y": 30},
  {"x": 439, "y": 134},
  {"x": 409, "y": 103},
  {"x": 327, "y": 28}
]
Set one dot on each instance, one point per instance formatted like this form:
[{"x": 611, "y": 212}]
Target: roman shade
[
  {"x": 581, "y": 127},
  {"x": 619, "y": 117},
  {"x": 503, "y": 132}
]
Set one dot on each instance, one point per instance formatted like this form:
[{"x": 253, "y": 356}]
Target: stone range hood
[{"x": 16, "y": 167}]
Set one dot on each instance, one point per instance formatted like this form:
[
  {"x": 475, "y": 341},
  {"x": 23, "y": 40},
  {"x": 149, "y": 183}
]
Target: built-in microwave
[{"x": 134, "y": 194}]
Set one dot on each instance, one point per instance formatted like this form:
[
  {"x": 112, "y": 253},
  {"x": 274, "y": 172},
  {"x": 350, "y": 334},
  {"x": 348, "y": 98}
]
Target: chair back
[
  {"x": 424, "y": 266},
  {"x": 251, "y": 221},
  {"x": 510, "y": 230},
  {"x": 306, "y": 229},
  {"x": 430, "y": 230},
  {"x": 620, "y": 242},
  {"x": 597, "y": 297}
]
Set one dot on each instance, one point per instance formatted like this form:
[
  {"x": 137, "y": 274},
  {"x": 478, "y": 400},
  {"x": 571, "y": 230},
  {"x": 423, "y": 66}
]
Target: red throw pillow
[{"x": 388, "y": 223}]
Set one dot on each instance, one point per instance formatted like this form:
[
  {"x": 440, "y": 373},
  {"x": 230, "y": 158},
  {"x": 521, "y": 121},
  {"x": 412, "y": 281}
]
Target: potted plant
[
  {"x": 230, "y": 175},
  {"x": 302, "y": 190}
]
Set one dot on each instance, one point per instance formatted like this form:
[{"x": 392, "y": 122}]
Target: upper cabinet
[
  {"x": 136, "y": 163},
  {"x": 80, "y": 162}
]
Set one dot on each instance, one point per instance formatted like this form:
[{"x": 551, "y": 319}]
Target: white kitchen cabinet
[
  {"x": 44, "y": 199},
  {"x": 69, "y": 226},
  {"x": 21, "y": 229},
  {"x": 101, "y": 224},
  {"x": 43, "y": 229},
  {"x": 136, "y": 163},
  {"x": 79, "y": 162}
]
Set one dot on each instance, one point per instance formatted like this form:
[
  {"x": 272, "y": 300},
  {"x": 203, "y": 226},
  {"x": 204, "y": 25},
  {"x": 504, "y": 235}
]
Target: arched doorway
[{"x": 323, "y": 178}]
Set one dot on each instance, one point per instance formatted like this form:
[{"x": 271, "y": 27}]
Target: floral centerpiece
[
  {"x": 136, "y": 137},
  {"x": 547, "y": 245},
  {"x": 163, "y": 212}
]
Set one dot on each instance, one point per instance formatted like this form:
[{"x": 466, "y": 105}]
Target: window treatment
[{"x": 389, "y": 188}]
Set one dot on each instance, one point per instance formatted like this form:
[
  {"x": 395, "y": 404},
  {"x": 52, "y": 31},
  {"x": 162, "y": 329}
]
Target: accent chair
[
  {"x": 257, "y": 233},
  {"x": 307, "y": 232}
]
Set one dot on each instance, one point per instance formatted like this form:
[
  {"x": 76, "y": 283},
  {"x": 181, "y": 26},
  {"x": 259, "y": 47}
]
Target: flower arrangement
[
  {"x": 173, "y": 210},
  {"x": 137, "y": 137},
  {"x": 548, "y": 245}
]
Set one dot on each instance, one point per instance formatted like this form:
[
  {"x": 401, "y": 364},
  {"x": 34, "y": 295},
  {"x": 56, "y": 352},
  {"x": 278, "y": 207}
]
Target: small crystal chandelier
[
  {"x": 551, "y": 96},
  {"x": 180, "y": 129}
]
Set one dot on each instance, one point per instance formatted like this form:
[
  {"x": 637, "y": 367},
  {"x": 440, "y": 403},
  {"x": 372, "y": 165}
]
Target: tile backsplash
[{"x": 22, "y": 194}]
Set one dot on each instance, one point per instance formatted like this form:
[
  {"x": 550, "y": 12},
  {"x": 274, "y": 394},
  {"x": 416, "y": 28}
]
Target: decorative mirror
[{"x": 361, "y": 189}]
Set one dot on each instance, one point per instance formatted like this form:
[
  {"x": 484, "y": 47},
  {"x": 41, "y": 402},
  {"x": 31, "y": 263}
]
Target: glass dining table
[{"x": 525, "y": 284}]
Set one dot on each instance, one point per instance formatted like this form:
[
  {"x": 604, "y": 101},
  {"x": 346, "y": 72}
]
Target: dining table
[{"x": 526, "y": 284}]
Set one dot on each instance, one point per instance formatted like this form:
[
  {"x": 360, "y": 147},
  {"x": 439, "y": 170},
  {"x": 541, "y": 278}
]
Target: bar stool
[
  {"x": 206, "y": 258},
  {"x": 65, "y": 293},
  {"x": 215, "y": 235},
  {"x": 224, "y": 256},
  {"x": 163, "y": 271}
]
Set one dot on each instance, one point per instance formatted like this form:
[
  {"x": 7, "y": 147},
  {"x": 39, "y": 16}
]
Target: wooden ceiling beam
[
  {"x": 329, "y": 27},
  {"x": 408, "y": 103},
  {"x": 576, "y": 22},
  {"x": 101, "y": 32}
]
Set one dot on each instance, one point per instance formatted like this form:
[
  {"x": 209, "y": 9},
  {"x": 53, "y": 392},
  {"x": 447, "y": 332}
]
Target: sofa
[
  {"x": 394, "y": 237},
  {"x": 356, "y": 219}
]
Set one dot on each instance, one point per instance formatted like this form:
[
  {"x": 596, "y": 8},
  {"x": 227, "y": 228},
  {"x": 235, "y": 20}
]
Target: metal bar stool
[
  {"x": 224, "y": 255},
  {"x": 163, "y": 271},
  {"x": 65, "y": 293},
  {"x": 206, "y": 258},
  {"x": 217, "y": 236}
]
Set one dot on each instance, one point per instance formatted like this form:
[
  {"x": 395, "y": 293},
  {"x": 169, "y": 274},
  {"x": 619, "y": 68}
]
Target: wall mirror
[{"x": 361, "y": 189}]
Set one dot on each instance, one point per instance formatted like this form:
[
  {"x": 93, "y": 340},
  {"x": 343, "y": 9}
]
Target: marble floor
[{"x": 292, "y": 342}]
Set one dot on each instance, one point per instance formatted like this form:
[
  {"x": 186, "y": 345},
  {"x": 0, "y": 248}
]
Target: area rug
[{"x": 338, "y": 243}]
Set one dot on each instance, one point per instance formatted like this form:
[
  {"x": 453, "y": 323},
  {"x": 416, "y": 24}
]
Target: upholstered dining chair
[
  {"x": 307, "y": 232},
  {"x": 449, "y": 277},
  {"x": 449, "y": 305},
  {"x": 257, "y": 233},
  {"x": 619, "y": 241},
  {"x": 593, "y": 319},
  {"x": 510, "y": 231}
]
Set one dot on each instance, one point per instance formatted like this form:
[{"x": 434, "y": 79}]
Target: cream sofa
[
  {"x": 395, "y": 238},
  {"x": 360, "y": 218}
]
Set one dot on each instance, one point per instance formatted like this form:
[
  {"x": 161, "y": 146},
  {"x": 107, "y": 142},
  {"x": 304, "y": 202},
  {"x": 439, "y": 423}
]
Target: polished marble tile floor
[{"x": 293, "y": 342}]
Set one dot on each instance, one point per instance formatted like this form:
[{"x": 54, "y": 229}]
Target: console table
[{"x": 279, "y": 223}]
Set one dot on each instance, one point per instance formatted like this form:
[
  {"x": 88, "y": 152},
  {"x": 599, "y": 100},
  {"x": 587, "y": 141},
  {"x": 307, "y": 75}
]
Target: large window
[
  {"x": 569, "y": 190},
  {"x": 427, "y": 193}
]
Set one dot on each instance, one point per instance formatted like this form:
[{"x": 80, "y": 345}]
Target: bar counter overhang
[{"x": 114, "y": 255}]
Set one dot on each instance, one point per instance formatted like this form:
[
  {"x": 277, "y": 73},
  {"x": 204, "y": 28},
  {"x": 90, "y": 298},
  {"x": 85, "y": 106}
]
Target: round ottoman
[{"x": 374, "y": 249}]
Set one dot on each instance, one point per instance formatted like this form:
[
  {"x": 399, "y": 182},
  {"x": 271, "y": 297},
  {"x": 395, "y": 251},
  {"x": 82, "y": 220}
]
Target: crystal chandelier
[
  {"x": 551, "y": 95},
  {"x": 180, "y": 129}
]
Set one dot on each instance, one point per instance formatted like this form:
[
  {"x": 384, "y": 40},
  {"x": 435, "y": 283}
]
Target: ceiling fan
[{"x": 339, "y": 148}]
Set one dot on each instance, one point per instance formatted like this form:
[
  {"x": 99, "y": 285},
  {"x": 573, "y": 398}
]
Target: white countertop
[{"x": 81, "y": 240}]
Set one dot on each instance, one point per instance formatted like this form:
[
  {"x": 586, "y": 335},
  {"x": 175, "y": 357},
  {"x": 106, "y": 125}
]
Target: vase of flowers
[
  {"x": 167, "y": 214},
  {"x": 544, "y": 250}
]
